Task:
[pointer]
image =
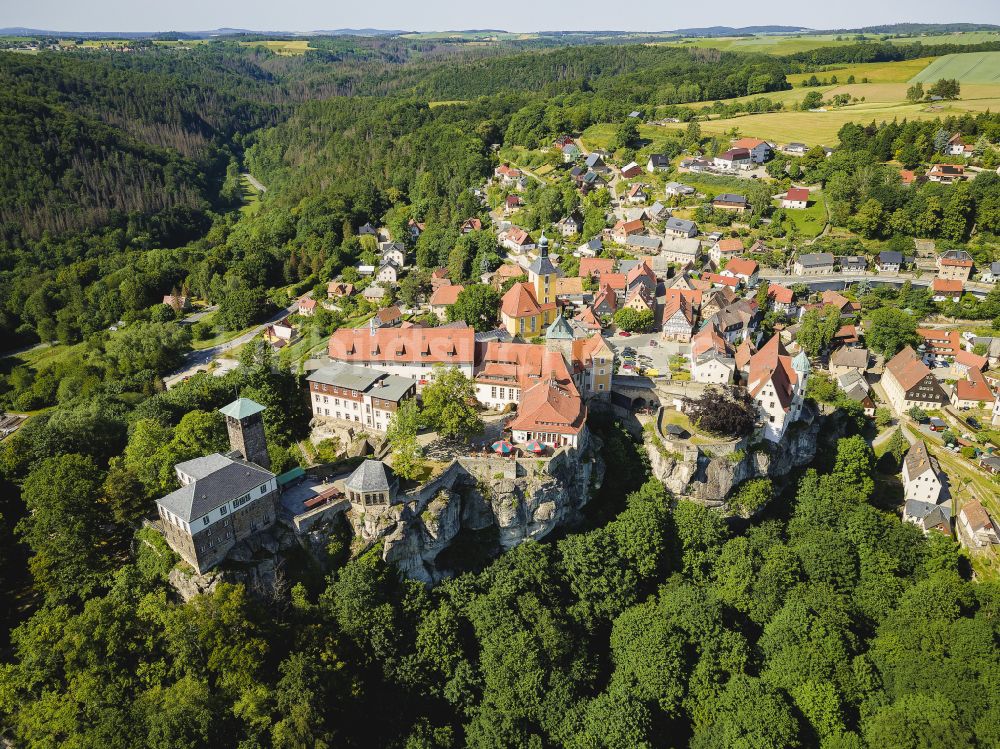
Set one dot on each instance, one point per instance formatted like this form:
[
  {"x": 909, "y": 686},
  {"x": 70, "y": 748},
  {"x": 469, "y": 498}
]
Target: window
[
  {"x": 263, "y": 490},
  {"x": 223, "y": 510},
  {"x": 204, "y": 520}
]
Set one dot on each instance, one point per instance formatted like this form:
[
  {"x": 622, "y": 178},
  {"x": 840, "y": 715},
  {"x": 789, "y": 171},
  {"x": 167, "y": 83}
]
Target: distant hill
[
  {"x": 915, "y": 28},
  {"x": 740, "y": 31}
]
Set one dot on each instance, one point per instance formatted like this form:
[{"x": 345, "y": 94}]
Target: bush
[{"x": 730, "y": 412}]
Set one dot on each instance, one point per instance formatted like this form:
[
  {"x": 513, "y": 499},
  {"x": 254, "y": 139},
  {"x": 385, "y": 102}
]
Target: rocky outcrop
[
  {"x": 708, "y": 474},
  {"x": 522, "y": 499}
]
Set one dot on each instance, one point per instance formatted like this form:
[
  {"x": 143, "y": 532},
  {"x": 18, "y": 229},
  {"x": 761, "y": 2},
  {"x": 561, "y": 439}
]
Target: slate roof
[
  {"x": 680, "y": 224},
  {"x": 919, "y": 461},
  {"x": 370, "y": 476},
  {"x": 241, "y": 408},
  {"x": 890, "y": 257},
  {"x": 348, "y": 376},
  {"x": 850, "y": 357},
  {"x": 218, "y": 479},
  {"x": 813, "y": 259}
]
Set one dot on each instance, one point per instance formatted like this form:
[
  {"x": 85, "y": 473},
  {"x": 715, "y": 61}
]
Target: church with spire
[{"x": 529, "y": 307}]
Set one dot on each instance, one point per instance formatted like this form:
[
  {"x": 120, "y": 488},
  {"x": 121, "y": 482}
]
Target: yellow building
[{"x": 529, "y": 307}]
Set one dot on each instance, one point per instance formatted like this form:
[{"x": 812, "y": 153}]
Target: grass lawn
[
  {"x": 251, "y": 197},
  {"x": 810, "y": 221},
  {"x": 44, "y": 356},
  {"x": 601, "y": 135},
  {"x": 219, "y": 337}
]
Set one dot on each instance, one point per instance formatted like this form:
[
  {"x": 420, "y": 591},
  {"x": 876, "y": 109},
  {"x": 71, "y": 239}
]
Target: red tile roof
[
  {"x": 715, "y": 278},
  {"x": 550, "y": 407},
  {"x": 748, "y": 143},
  {"x": 947, "y": 285},
  {"x": 974, "y": 389},
  {"x": 797, "y": 193},
  {"x": 780, "y": 294},
  {"x": 772, "y": 364},
  {"x": 969, "y": 359},
  {"x": 732, "y": 244},
  {"x": 907, "y": 368},
  {"x": 741, "y": 266},
  {"x": 404, "y": 345},
  {"x": 446, "y": 295},
  {"x": 520, "y": 301},
  {"x": 590, "y": 266}
]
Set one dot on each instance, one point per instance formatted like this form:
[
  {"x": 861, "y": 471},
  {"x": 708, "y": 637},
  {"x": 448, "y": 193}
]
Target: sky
[{"x": 510, "y": 15}]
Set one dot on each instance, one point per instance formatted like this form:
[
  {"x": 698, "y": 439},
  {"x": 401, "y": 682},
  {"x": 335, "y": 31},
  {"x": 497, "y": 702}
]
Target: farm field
[
  {"x": 282, "y": 47},
  {"x": 969, "y": 67},
  {"x": 821, "y": 128},
  {"x": 876, "y": 72},
  {"x": 791, "y": 44}
]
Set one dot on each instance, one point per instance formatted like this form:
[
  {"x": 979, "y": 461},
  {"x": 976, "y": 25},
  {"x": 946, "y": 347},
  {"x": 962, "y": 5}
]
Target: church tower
[
  {"x": 542, "y": 274},
  {"x": 246, "y": 431}
]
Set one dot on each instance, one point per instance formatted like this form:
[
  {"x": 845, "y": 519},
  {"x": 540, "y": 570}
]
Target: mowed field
[{"x": 968, "y": 67}]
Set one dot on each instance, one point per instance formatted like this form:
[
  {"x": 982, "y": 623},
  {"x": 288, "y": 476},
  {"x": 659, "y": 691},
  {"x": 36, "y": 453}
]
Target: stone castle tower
[{"x": 246, "y": 431}]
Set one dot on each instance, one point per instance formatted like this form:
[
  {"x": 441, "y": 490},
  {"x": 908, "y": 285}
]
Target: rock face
[
  {"x": 522, "y": 499},
  {"x": 709, "y": 474}
]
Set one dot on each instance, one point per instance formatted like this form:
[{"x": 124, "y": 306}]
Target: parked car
[
  {"x": 973, "y": 422},
  {"x": 653, "y": 343},
  {"x": 624, "y": 334}
]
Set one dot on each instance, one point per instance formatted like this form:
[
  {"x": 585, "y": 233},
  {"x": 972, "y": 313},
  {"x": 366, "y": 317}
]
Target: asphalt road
[{"x": 195, "y": 359}]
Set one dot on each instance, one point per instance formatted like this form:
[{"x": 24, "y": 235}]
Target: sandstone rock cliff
[{"x": 708, "y": 474}]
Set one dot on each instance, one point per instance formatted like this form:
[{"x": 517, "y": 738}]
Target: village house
[
  {"x": 507, "y": 174},
  {"x": 678, "y": 190},
  {"x": 728, "y": 201},
  {"x": 813, "y": 264},
  {"x": 966, "y": 361},
  {"x": 373, "y": 293},
  {"x": 908, "y": 382},
  {"x": 512, "y": 204},
  {"x": 725, "y": 249},
  {"x": 958, "y": 147},
  {"x": 387, "y": 317},
  {"x": 530, "y": 306},
  {"x": 717, "y": 279},
  {"x": 946, "y": 174},
  {"x": 631, "y": 170},
  {"x": 849, "y": 359},
  {"x": 696, "y": 165},
  {"x": 442, "y": 298},
  {"x": 991, "y": 274},
  {"x": 679, "y": 314},
  {"x": 856, "y": 387},
  {"x": 852, "y": 263},
  {"x": 955, "y": 265},
  {"x": 972, "y": 392},
  {"x": 760, "y": 150},
  {"x": 470, "y": 225},
  {"x": 570, "y": 225},
  {"x": 439, "y": 277},
  {"x": 589, "y": 356},
  {"x": 388, "y": 273},
  {"x": 623, "y": 229},
  {"x": 223, "y": 499},
  {"x": 637, "y": 193},
  {"x": 359, "y": 396},
  {"x": 306, "y": 306},
  {"x": 796, "y": 198},
  {"x": 736, "y": 321},
  {"x": 338, "y": 289},
  {"x": 680, "y": 227},
  {"x": 279, "y": 334},
  {"x": 178, "y": 302},
  {"x": 733, "y": 159},
  {"x": 570, "y": 153},
  {"x": 744, "y": 270},
  {"x": 657, "y": 162},
  {"x": 711, "y": 357},
  {"x": 976, "y": 528},
  {"x": 795, "y": 149},
  {"x": 909, "y": 177},
  {"x": 946, "y": 289},
  {"x": 595, "y": 162},
  {"x": 605, "y": 302},
  {"x": 367, "y": 231},
  {"x": 506, "y": 272},
  {"x": 716, "y": 299},
  {"x": 641, "y": 243},
  {"x": 890, "y": 261},
  {"x": 781, "y": 298},
  {"x": 518, "y": 240},
  {"x": 921, "y": 475}
]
